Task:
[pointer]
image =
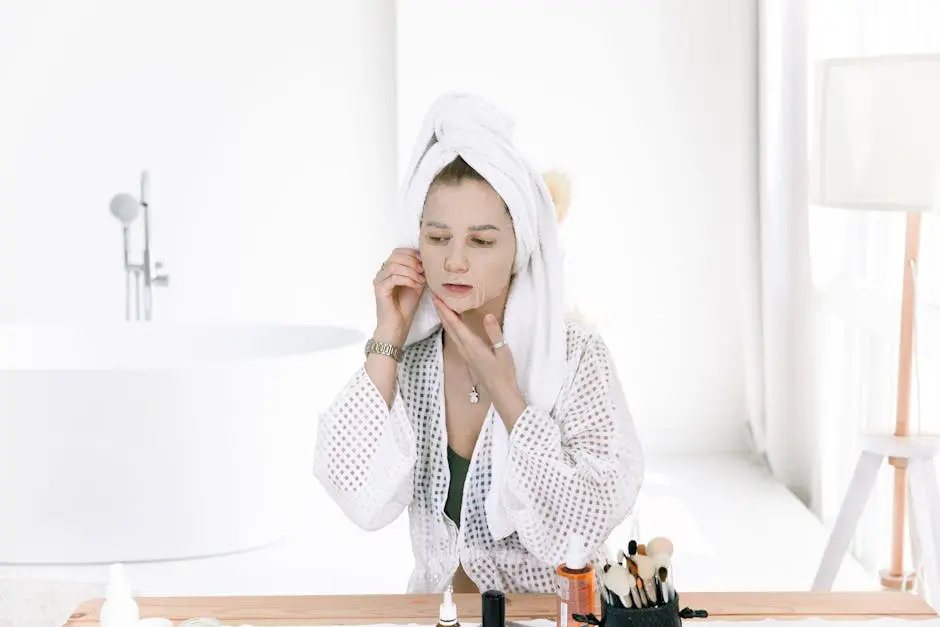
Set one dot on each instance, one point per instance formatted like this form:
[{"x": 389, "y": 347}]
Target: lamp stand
[
  {"x": 895, "y": 577},
  {"x": 915, "y": 474}
]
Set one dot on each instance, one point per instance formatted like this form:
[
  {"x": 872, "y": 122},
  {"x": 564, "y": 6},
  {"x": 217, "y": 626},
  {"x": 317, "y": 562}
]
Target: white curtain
[{"x": 782, "y": 424}]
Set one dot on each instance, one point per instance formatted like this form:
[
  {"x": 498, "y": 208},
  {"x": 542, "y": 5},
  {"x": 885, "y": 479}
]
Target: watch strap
[{"x": 384, "y": 348}]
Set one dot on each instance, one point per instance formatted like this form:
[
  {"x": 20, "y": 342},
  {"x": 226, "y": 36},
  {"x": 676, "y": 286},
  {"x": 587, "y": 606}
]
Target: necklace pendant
[{"x": 474, "y": 397}]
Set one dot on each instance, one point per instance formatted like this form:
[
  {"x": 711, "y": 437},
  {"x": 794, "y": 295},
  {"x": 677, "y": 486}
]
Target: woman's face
[{"x": 467, "y": 244}]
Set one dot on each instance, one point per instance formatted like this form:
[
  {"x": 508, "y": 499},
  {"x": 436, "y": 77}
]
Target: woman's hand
[
  {"x": 398, "y": 286},
  {"x": 492, "y": 368}
]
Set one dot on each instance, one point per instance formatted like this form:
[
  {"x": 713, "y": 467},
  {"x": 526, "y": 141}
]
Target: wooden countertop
[{"x": 393, "y": 608}]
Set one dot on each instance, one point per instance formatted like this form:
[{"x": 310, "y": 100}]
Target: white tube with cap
[{"x": 119, "y": 608}]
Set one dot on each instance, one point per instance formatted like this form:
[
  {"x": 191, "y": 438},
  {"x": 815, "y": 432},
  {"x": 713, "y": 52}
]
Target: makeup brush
[
  {"x": 661, "y": 561},
  {"x": 606, "y": 594},
  {"x": 659, "y": 546},
  {"x": 644, "y": 597},
  {"x": 616, "y": 580},
  {"x": 610, "y": 555},
  {"x": 631, "y": 566},
  {"x": 631, "y": 547},
  {"x": 635, "y": 591},
  {"x": 646, "y": 570},
  {"x": 664, "y": 584},
  {"x": 626, "y": 560}
]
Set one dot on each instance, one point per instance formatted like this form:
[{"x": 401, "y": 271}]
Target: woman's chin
[{"x": 459, "y": 303}]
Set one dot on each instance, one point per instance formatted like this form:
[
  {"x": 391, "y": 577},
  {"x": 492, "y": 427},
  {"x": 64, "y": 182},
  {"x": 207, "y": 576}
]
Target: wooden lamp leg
[{"x": 894, "y": 577}]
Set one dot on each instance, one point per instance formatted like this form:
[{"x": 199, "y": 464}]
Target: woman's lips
[{"x": 455, "y": 288}]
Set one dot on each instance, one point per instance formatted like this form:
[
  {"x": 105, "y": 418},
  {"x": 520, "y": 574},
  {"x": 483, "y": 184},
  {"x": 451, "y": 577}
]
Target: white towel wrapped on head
[{"x": 534, "y": 321}]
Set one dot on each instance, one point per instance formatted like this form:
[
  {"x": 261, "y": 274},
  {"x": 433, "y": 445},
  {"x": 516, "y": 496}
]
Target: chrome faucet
[{"x": 140, "y": 278}]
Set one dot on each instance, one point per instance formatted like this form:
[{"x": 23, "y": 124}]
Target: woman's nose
[{"x": 455, "y": 261}]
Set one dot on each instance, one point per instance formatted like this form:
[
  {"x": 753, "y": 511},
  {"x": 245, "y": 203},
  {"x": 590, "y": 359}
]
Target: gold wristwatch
[{"x": 384, "y": 348}]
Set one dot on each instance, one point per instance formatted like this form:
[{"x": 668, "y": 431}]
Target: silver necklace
[{"x": 474, "y": 395}]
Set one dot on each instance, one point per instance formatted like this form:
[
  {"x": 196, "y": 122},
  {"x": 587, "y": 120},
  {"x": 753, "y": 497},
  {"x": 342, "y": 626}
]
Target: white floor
[{"x": 733, "y": 527}]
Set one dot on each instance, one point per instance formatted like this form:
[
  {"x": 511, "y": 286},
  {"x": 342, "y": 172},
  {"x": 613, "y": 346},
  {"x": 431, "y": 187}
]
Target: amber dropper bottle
[{"x": 576, "y": 586}]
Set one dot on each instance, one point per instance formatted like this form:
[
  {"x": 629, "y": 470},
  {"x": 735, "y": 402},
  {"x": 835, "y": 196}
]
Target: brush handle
[
  {"x": 644, "y": 597},
  {"x": 650, "y": 586},
  {"x": 660, "y": 597},
  {"x": 635, "y": 593}
]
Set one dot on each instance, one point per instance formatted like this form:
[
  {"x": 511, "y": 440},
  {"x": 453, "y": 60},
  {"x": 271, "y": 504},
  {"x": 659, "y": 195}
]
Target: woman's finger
[
  {"x": 397, "y": 269},
  {"x": 402, "y": 270},
  {"x": 390, "y": 282},
  {"x": 409, "y": 252},
  {"x": 408, "y": 260},
  {"x": 494, "y": 332}
]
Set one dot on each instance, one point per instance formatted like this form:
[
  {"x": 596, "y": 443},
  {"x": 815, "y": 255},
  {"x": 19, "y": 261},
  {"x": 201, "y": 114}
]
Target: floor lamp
[{"x": 877, "y": 148}]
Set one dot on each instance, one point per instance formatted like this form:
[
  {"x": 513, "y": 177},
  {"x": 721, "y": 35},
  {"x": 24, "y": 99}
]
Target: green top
[{"x": 458, "y": 474}]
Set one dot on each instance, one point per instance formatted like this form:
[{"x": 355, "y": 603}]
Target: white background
[
  {"x": 275, "y": 134},
  {"x": 270, "y": 133}
]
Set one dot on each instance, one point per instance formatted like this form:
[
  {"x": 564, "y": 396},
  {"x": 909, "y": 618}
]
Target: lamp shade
[{"x": 876, "y": 136}]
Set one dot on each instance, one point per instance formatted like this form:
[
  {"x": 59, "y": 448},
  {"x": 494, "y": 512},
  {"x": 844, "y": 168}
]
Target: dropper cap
[
  {"x": 494, "y": 608},
  {"x": 575, "y": 559},
  {"x": 117, "y": 582},
  {"x": 448, "y": 613}
]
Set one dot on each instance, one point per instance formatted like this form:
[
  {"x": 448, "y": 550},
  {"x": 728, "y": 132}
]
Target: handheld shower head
[
  {"x": 145, "y": 187},
  {"x": 125, "y": 208}
]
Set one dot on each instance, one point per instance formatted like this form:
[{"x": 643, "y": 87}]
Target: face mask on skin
[{"x": 467, "y": 245}]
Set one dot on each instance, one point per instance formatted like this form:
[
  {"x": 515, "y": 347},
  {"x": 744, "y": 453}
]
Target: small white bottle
[
  {"x": 119, "y": 608},
  {"x": 448, "y": 611}
]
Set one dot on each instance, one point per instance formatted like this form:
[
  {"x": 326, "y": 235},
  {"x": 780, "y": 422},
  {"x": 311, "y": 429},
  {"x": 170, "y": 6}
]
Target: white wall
[
  {"x": 269, "y": 130},
  {"x": 650, "y": 108}
]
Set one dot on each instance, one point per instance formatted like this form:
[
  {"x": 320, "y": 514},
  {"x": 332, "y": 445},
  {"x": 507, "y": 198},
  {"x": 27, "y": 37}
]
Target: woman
[{"x": 501, "y": 427}]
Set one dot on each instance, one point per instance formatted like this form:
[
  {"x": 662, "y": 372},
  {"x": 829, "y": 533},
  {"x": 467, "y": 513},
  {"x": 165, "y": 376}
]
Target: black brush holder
[{"x": 666, "y": 615}]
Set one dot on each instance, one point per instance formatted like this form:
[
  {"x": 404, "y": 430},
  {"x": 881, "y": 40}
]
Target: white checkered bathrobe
[{"x": 576, "y": 469}]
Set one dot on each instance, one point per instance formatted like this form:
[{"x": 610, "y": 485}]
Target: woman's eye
[{"x": 443, "y": 239}]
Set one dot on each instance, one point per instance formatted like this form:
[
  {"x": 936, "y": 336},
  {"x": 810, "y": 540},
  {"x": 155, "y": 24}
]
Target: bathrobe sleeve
[
  {"x": 365, "y": 453},
  {"x": 579, "y": 471}
]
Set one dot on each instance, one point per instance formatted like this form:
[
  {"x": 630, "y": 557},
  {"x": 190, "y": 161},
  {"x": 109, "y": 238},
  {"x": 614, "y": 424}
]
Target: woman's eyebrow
[{"x": 475, "y": 227}]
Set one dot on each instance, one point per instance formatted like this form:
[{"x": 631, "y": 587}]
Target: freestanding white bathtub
[{"x": 149, "y": 441}]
